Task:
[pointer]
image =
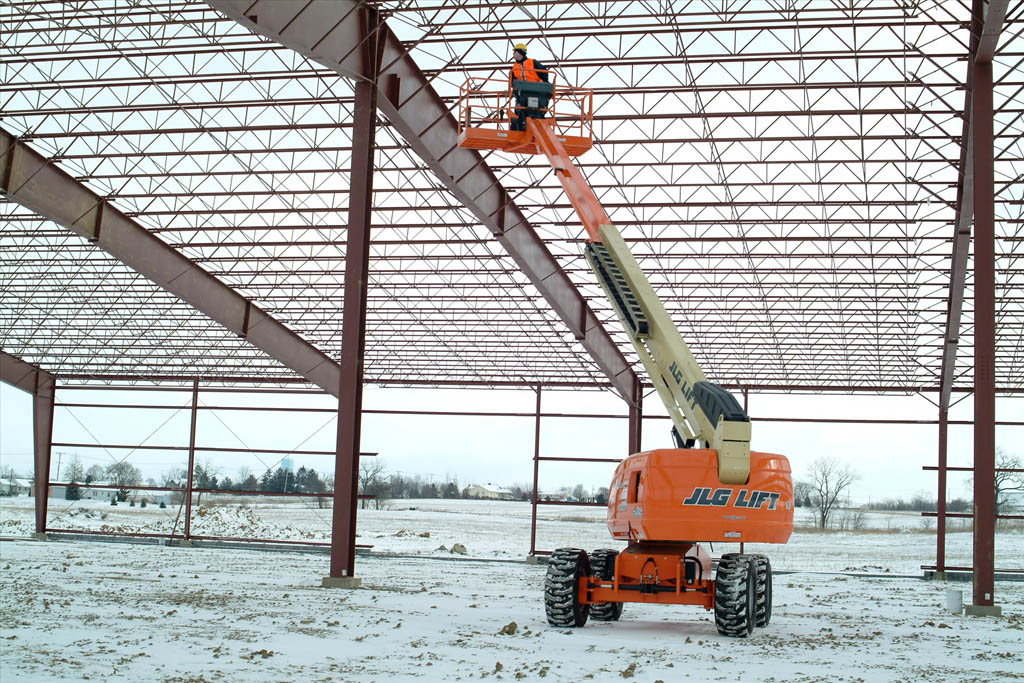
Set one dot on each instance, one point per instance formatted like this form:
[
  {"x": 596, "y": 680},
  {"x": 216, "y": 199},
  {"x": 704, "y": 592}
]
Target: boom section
[{"x": 700, "y": 410}]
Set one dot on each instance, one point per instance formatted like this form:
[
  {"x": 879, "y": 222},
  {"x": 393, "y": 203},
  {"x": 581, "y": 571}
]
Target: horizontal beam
[{"x": 30, "y": 179}]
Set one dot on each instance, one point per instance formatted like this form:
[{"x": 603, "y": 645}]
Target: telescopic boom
[{"x": 703, "y": 414}]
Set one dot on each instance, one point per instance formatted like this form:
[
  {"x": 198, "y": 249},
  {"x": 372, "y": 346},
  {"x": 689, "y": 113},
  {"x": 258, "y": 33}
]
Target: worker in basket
[{"x": 528, "y": 81}]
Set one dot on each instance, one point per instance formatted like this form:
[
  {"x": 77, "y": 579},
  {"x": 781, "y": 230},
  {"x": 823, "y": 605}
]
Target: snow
[{"x": 81, "y": 610}]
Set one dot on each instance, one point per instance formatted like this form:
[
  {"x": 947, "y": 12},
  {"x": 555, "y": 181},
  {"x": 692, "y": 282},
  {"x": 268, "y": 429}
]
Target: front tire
[
  {"x": 763, "y": 597},
  {"x": 602, "y": 566},
  {"x": 735, "y": 595},
  {"x": 566, "y": 569}
]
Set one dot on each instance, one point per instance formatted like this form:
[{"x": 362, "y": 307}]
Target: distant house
[
  {"x": 489, "y": 491},
  {"x": 15, "y": 487},
  {"x": 108, "y": 491},
  {"x": 556, "y": 497}
]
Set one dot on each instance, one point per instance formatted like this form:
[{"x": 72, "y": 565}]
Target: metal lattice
[{"x": 786, "y": 173}]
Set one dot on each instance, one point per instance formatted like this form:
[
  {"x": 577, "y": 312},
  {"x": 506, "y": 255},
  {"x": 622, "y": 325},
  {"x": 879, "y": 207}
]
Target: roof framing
[{"x": 788, "y": 174}]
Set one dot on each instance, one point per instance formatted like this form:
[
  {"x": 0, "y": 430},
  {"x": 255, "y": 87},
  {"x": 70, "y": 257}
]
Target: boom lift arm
[{"x": 701, "y": 411}]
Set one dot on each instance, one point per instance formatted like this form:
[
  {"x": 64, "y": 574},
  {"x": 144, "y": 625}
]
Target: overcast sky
[{"x": 888, "y": 458}]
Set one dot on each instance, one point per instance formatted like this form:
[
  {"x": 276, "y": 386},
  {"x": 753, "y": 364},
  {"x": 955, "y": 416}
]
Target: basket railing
[{"x": 489, "y": 103}]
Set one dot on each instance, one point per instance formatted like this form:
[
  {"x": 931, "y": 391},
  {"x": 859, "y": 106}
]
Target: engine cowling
[{"x": 676, "y": 495}]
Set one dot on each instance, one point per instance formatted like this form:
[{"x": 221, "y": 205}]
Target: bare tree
[
  {"x": 122, "y": 475},
  {"x": 173, "y": 477},
  {"x": 204, "y": 476},
  {"x": 372, "y": 481},
  {"x": 75, "y": 471},
  {"x": 1006, "y": 482},
  {"x": 802, "y": 492},
  {"x": 829, "y": 480},
  {"x": 94, "y": 474}
]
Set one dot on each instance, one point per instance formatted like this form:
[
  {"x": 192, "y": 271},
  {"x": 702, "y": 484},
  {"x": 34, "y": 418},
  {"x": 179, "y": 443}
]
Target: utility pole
[{"x": 60, "y": 456}]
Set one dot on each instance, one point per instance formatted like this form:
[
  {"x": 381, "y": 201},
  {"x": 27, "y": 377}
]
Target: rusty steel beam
[
  {"x": 30, "y": 179},
  {"x": 940, "y": 525},
  {"x": 190, "y": 474},
  {"x": 984, "y": 339},
  {"x": 329, "y": 33},
  {"x": 353, "y": 331},
  {"x": 984, "y": 39},
  {"x": 636, "y": 418},
  {"x": 42, "y": 385},
  {"x": 353, "y": 335},
  {"x": 536, "y": 474}
]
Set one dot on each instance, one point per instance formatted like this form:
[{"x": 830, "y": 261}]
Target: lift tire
[
  {"x": 567, "y": 567},
  {"x": 763, "y": 599},
  {"x": 735, "y": 591},
  {"x": 602, "y": 566}
]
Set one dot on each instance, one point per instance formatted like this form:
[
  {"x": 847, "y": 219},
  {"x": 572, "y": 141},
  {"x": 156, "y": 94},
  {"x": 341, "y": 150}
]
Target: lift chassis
[{"x": 711, "y": 487}]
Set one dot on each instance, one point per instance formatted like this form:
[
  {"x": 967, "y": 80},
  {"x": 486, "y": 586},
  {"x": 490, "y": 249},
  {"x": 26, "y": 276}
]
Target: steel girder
[
  {"x": 42, "y": 385},
  {"x": 30, "y": 179},
  {"x": 983, "y": 49},
  {"x": 329, "y": 32}
]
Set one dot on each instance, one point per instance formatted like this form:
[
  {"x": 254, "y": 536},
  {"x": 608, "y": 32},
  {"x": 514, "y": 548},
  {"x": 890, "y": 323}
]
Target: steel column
[
  {"x": 984, "y": 338},
  {"x": 940, "y": 529},
  {"x": 536, "y": 476},
  {"x": 191, "y": 460},
  {"x": 636, "y": 417},
  {"x": 353, "y": 334},
  {"x": 43, "y": 386},
  {"x": 42, "y": 426}
]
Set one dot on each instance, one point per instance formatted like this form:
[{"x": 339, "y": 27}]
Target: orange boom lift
[{"x": 662, "y": 503}]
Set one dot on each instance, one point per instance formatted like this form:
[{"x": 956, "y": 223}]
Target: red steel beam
[
  {"x": 189, "y": 488},
  {"x": 329, "y": 32},
  {"x": 536, "y": 475},
  {"x": 36, "y": 183},
  {"x": 636, "y": 418},
  {"x": 984, "y": 338},
  {"x": 42, "y": 385},
  {"x": 353, "y": 331},
  {"x": 940, "y": 535},
  {"x": 984, "y": 38}
]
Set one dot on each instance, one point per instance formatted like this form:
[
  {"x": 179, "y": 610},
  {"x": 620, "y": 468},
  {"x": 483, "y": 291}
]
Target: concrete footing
[
  {"x": 185, "y": 543},
  {"x": 532, "y": 559},
  {"x": 341, "y": 582},
  {"x": 39, "y": 536},
  {"x": 983, "y": 610}
]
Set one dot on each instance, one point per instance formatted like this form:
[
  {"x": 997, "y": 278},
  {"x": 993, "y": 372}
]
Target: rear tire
[
  {"x": 763, "y": 598},
  {"x": 602, "y": 566},
  {"x": 566, "y": 569},
  {"x": 735, "y": 595}
]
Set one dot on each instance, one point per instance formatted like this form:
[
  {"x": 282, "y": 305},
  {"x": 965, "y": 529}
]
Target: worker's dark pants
[{"x": 523, "y": 112}]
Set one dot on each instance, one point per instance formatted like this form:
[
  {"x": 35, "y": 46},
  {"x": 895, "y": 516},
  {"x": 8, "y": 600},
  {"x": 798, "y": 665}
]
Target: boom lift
[{"x": 663, "y": 502}]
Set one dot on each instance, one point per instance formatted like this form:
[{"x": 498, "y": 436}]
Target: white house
[
  {"x": 489, "y": 491},
  {"x": 108, "y": 491},
  {"x": 15, "y": 487}
]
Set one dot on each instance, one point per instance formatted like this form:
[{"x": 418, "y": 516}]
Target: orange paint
[{"x": 675, "y": 495}]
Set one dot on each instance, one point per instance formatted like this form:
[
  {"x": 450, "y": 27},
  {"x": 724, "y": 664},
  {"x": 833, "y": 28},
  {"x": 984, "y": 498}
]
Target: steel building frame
[{"x": 799, "y": 179}]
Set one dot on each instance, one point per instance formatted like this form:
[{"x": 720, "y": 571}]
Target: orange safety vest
[{"x": 524, "y": 71}]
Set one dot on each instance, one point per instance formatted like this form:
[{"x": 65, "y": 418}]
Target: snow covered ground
[{"x": 80, "y": 610}]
